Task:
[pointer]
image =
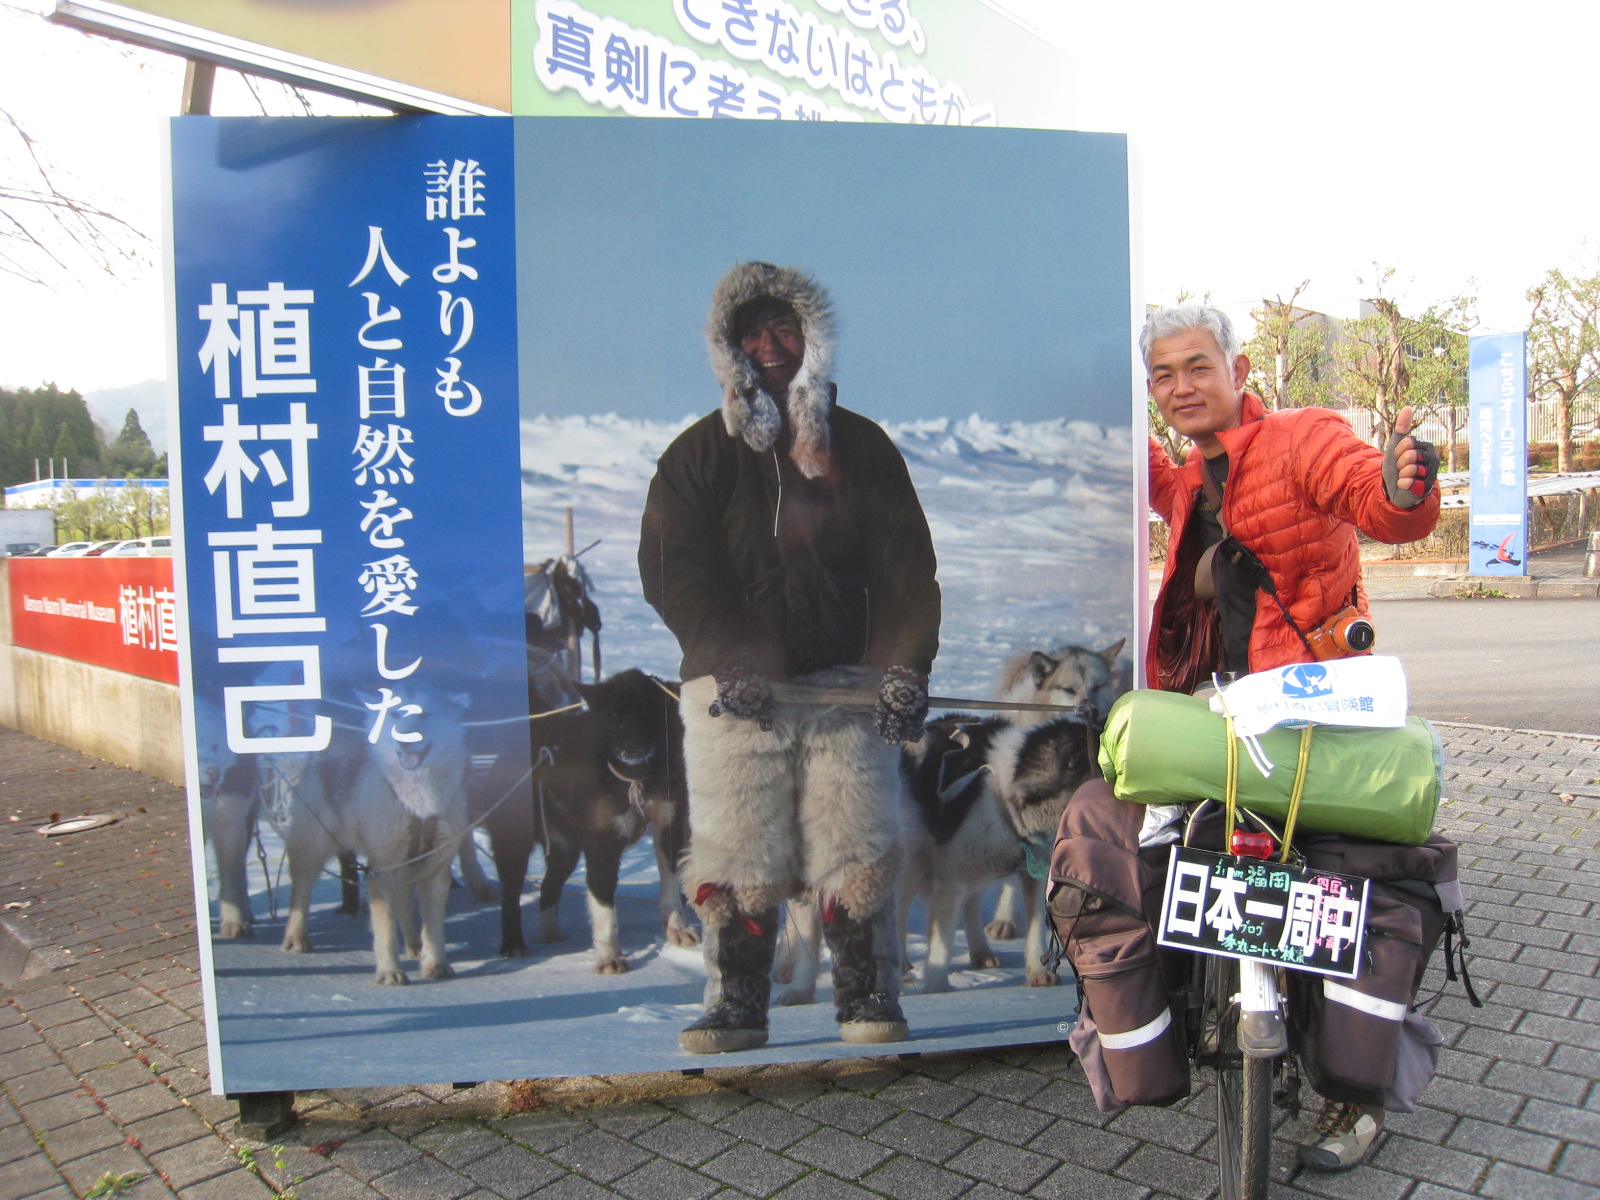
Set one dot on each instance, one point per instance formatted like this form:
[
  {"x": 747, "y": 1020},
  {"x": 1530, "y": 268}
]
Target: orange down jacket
[{"x": 1300, "y": 483}]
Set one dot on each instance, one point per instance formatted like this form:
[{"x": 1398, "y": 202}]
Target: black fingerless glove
[
  {"x": 1427, "y": 471},
  {"x": 902, "y": 705},
  {"x": 743, "y": 692}
]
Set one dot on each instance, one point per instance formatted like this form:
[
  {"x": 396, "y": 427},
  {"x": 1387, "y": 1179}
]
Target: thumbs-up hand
[{"x": 1410, "y": 465}]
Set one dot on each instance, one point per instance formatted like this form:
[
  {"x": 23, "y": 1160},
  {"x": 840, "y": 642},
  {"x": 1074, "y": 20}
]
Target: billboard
[
  {"x": 1498, "y": 406},
  {"x": 112, "y": 612},
  {"x": 436, "y": 55},
  {"x": 411, "y": 352},
  {"x": 927, "y": 62},
  {"x": 937, "y": 62}
]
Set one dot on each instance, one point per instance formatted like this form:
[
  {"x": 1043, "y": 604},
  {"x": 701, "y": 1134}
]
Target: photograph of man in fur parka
[{"x": 782, "y": 540}]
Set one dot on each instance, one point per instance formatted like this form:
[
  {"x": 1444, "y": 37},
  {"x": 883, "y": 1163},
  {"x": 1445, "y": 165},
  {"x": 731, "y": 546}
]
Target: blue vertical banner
[
  {"x": 346, "y": 317},
  {"x": 348, "y": 465},
  {"x": 1498, "y": 396}
]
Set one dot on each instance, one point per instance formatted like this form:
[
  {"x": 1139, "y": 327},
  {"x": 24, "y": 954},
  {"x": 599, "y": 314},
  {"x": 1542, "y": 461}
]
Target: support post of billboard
[{"x": 1498, "y": 396}]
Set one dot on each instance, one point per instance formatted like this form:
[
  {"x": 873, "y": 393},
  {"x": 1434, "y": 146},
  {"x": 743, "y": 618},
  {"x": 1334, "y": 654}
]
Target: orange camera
[{"x": 1345, "y": 633}]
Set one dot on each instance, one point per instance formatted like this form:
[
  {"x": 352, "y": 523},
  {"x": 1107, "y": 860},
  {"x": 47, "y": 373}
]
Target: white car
[
  {"x": 70, "y": 550},
  {"x": 150, "y": 547}
]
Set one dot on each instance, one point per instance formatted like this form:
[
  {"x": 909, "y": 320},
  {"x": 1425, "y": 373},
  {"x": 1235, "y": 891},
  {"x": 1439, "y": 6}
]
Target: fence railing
[{"x": 1541, "y": 422}]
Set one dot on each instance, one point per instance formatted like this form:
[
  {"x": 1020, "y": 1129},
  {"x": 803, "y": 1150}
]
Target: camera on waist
[{"x": 1345, "y": 633}]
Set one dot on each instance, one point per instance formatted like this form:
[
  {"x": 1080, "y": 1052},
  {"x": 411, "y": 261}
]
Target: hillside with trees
[{"x": 38, "y": 425}]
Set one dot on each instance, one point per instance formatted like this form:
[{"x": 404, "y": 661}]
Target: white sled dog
[
  {"x": 227, "y": 814},
  {"x": 1074, "y": 677},
  {"x": 984, "y": 799},
  {"x": 405, "y": 814}
]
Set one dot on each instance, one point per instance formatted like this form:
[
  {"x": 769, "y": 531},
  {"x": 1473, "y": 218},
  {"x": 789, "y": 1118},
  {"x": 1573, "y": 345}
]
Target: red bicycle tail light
[{"x": 1252, "y": 845}]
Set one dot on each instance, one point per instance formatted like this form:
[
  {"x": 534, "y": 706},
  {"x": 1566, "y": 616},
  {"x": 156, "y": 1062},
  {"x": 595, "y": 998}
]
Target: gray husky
[{"x": 405, "y": 813}]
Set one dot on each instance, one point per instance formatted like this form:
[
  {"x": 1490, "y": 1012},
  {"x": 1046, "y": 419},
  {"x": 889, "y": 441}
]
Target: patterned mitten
[
  {"x": 902, "y": 705},
  {"x": 742, "y": 691}
]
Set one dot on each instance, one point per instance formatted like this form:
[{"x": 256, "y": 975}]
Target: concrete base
[
  {"x": 1510, "y": 589},
  {"x": 1569, "y": 589},
  {"x": 123, "y": 719},
  {"x": 264, "y": 1115}
]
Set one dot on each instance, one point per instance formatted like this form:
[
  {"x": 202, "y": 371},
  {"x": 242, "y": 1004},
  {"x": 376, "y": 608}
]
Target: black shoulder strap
[{"x": 1241, "y": 557}]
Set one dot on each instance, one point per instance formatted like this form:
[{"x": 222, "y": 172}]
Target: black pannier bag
[{"x": 1360, "y": 1040}]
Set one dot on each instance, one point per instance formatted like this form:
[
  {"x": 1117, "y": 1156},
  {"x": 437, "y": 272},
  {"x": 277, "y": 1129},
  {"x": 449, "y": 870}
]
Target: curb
[
  {"x": 24, "y": 954},
  {"x": 1518, "y": 589}
]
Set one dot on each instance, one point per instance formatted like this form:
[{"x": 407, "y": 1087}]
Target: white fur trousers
[{"x": 811, "y": 806}]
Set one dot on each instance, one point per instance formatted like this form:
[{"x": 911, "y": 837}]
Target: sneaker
[{"x": 1343, "y": 1138}]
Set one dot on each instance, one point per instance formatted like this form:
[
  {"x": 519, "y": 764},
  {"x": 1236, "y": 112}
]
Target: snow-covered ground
[{"x": 1034, "y": 529}]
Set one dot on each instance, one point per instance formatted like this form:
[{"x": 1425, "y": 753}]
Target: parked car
[
  {"x": 41, "y": 552},
  {"x": 150, "y": 547},
  {"x": 71, "y": 550},
  {"x": 99, "y": 548},
  {"x": 18, "y": 549}
]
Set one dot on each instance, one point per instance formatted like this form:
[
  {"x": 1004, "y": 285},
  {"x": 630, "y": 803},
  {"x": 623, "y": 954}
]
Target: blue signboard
[
  {"x": 1498, "y": 388},
  {"x": 420, "y": 358}
]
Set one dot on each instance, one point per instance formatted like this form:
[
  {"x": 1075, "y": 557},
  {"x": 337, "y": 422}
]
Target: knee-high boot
[
  {"x": 738, "y": 954},
  {"x": 866, "y": 973}
]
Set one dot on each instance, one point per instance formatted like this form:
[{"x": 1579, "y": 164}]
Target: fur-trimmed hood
[{"x": 748, "y": 411}]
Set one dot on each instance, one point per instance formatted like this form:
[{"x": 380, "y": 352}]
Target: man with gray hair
[
  {"x": 1263, "y": 568},
  {"x": 1262, "y": 571}
]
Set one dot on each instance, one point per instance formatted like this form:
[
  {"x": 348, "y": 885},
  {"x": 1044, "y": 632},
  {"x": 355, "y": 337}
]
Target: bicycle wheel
[{"x": 1244, "y": 1097}]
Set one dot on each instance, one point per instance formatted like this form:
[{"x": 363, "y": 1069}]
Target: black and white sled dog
[
  {"x": 984, "y": 800},
  {"x": 601, "y": 779}
]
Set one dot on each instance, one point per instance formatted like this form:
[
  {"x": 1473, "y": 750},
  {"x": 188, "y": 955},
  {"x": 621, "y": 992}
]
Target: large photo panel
[{"x": 554, "y": 350}]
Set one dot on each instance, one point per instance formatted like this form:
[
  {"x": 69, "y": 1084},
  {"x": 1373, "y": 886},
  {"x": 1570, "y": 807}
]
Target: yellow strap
[
  {"x": 1299, "y": 790},
  {"x": 1230, "y": 795}
]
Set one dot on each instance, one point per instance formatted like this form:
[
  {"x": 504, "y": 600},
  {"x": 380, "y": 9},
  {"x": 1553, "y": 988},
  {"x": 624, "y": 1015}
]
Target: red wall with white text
[{"x": 112, "y": 612}]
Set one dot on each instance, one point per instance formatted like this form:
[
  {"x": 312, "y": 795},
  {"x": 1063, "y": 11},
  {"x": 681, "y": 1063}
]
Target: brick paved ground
[{"x": 104, "y": 1070}]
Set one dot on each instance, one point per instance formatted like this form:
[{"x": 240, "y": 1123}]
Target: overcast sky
[{"x": 1275, "y": 143}]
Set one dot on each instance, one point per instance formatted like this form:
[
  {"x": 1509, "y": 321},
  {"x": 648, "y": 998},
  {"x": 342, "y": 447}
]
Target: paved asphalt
[{"x": 1524, "y": 664}]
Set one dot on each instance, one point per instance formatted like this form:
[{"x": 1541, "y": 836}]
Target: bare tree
[
  {"x": 1564, "y": 348},
  {"x": 47, "y": 229},
  {"x": 1387, "y": 359},
  {"x": 1290, "y": 365}
]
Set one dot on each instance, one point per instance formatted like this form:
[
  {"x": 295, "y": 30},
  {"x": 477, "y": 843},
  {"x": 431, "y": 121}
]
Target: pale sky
[{"x": 1275, "y": 143}]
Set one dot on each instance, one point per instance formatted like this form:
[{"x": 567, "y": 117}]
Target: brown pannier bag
[
  {"x": 1127, "y": 1038},
  {"x": 1361, "y": 1040}
]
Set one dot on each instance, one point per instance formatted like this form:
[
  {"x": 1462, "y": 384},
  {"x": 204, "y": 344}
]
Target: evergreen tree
[{"x": 130, "y": 456}]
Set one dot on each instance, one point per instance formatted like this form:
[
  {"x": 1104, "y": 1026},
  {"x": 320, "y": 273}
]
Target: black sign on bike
[{"x": 1248, "y": 908}]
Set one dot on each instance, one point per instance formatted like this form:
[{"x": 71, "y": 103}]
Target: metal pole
[
  {"x": 574, "y": 649},
  {"x": 198, "y": 80}
]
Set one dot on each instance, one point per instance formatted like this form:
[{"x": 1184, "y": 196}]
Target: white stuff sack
[{"x": 1367, "y": 692}]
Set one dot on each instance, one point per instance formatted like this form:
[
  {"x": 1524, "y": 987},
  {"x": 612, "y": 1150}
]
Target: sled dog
[
  {"x": 985, "y": 798},
  {"x": 403, "y": 811},
  {"x": 601, "y": 778},
  {"x": 981, "y": 798},
  {"x": 1073, "y": 677}
]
